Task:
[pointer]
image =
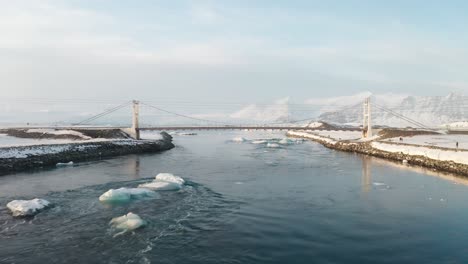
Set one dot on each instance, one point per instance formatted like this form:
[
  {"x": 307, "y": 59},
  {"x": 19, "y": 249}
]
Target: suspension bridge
[{"x": 207, "y": 124}]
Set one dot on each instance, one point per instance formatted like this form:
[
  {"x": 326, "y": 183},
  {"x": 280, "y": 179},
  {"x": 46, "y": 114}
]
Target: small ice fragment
[
  {"x": 259, "y": 141},
  {"x": 27, "y": 207},
  {"x": 272, "y": 145},
  {"x": 442, "y": 199},
  {"x": 60, "y": 164},
  {"x": 125, "y": 223},
  {"x": 379, "y": 184},
  {"x": 239, "y": 183},
  {"x": 286, "y": 141},
  {"x": 239, "y": 139},
  {"x": 125, "y": 194}
]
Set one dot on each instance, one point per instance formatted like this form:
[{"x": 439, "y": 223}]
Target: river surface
[{"x": 242, "y": 203}]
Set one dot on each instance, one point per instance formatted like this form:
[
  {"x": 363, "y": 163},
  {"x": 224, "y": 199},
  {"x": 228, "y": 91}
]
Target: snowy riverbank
[
  {"x": 17, "y": 158},
  {"x": 438, "y": 158}
]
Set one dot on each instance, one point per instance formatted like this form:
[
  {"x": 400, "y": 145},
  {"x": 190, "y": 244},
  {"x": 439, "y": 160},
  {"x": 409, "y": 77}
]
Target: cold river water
[{"x": 242, "y": 203}]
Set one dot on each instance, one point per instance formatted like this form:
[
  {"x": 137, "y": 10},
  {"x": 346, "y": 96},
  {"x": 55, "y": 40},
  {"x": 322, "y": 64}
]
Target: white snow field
[
  {"x": 9, "y": 141},
  {"x": 436, "y": 154},
  {"x": 27, "y": 207},
  {"x": 443, "y": 141},
  {"x": 340, "y": 134},
  {"x": 126, "y": 223},
  {"x": 26, "y": 151},
  {"x": 125, "y": 194},
  {"x": 164, "y": 182}
]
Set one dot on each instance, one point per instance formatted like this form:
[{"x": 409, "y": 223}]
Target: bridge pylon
[{"x": 134, "y": 131}]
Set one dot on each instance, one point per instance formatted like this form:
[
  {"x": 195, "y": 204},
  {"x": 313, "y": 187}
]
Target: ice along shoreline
[
  {"x": 440, "y": 159},
  {"x": 21, "y": 158}
]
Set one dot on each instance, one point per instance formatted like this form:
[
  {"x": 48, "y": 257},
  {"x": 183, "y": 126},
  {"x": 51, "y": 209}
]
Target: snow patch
[{"x": 27, "y": 207}]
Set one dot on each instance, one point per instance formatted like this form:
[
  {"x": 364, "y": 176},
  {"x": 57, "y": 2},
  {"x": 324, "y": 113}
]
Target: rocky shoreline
[
  {"x": 367, "y": 149},
  {"x": 15, "y": 159}
]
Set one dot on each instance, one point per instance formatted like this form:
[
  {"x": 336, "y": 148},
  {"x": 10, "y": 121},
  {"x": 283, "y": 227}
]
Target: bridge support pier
[{"x": 134, "y": 131}]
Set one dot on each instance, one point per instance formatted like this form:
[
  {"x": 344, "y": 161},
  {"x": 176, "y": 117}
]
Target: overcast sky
[{"x": 243, "y": 50}]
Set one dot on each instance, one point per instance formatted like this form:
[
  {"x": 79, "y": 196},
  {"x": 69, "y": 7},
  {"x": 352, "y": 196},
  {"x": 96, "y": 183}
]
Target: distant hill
[{"x": 429, "y": 110}]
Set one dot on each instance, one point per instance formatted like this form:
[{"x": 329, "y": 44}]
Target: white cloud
[{"x": 264, "y": 113}]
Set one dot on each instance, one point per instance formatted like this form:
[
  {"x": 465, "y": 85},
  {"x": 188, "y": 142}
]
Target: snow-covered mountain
[{"x": 429, "y": 110}]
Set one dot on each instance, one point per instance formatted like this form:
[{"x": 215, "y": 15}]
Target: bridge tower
[
  {"x": 134, "y": 131},
  {"x": 366, "y": 125}
]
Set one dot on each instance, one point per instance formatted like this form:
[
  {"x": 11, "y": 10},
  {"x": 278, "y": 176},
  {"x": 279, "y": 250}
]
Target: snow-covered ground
[
  {"x": 443, "y": 141},
  {"x": 58, "y": 132},
  {"x": 436, "y": 154}
]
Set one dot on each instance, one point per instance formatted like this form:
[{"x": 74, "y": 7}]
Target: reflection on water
[{"x": 366, "y": 175}]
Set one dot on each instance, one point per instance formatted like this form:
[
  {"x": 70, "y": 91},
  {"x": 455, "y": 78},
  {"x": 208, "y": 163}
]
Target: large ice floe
[
  {"x": 164, "y": 182},
  {"x": 125, "y": 194},
  {"x": 27, "y": 207},
  {"x": 126, "y": 223}
]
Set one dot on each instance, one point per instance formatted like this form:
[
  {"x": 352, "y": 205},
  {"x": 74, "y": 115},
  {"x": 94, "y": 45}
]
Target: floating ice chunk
[
  {"x": 286, "y": 141},
  {"x": 169, "y": 177},
  {"x": 262, "y": 141},
  {"x": 164, "y": 182},
  {"x": 27, "y": 207},
  {"x": 379, "y": 184},
  {"x": 272, "y": 145},
  {"x": 161, "y": 186},
  {"x": 60, "y": 164},
  {"x": 239, "y": 139},
  {"x": 125, "y": 223},
  {"x": 125, "y": 194}
]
